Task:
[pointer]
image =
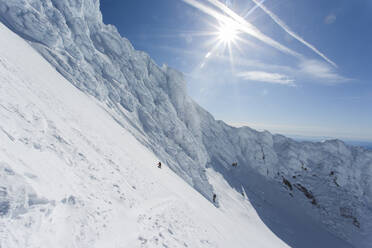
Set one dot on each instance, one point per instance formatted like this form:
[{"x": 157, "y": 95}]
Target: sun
[
  {"x": 228, "y": 32},
  {"x": 226, "y": 39}
]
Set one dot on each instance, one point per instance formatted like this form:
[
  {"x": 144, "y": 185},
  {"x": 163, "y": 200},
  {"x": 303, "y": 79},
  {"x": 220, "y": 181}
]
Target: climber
[
  {"x": 159, "y": 165},
  {"x": 214, "y": 198},
  {"x": 235, "y": 164}
]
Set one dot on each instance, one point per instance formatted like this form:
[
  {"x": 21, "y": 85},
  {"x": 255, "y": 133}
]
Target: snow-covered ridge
[{"x": 329, "y": 181}]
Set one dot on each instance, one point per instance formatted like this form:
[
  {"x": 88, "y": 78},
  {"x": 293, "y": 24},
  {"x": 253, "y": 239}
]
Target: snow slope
[
  {"x": 72, "y": 177},
  {"x": 322, "y": 188}
]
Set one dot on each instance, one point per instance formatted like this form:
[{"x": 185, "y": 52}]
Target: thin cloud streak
[
  {"x": 253, "y": 9},
  {"x": 321, "y": 70},
  {"x": 267, "y": 77},
  {"x": 278, "y": 21}
]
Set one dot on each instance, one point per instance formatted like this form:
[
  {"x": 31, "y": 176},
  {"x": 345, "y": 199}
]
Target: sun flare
[{"x": 228, "y": 32}]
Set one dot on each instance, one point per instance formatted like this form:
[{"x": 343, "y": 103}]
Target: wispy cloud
[
  {"x": 331, "y": 18},
  {"x": 267, "y": 77},
  {"x": 278, "y": 21},
  {"x": 321, "y": 70}
]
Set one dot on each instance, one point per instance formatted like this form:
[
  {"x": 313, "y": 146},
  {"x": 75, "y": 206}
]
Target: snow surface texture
[
  {"x": 70, "y": 176},
  {"x": 311, "y": 185}
]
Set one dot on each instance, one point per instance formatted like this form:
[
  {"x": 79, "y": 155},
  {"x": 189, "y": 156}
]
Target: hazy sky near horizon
[{"x": 296, "y": 67}]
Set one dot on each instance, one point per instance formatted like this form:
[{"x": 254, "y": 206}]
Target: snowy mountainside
[
  {"x": 70, "y": 176},
  {"x": 327, "y": 182}
]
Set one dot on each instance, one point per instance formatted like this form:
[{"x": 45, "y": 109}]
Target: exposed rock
[{"x": 287, "y": 183}]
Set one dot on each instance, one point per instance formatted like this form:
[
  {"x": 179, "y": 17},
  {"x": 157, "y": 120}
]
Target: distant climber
[
  {"x": 214, "y": 198},
  {"x": 159, "y": 165},
  {"x": 235, "y": 164}
]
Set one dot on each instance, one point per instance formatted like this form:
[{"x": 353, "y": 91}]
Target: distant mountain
[
  {"x": 310, "y": 194},
  {"x": 352, "y": 142},
  {"x": 367, "y": 145}
]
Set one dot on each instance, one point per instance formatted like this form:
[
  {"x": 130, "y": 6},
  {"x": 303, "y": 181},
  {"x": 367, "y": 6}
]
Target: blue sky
[{"x": 297, "y": 67}]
